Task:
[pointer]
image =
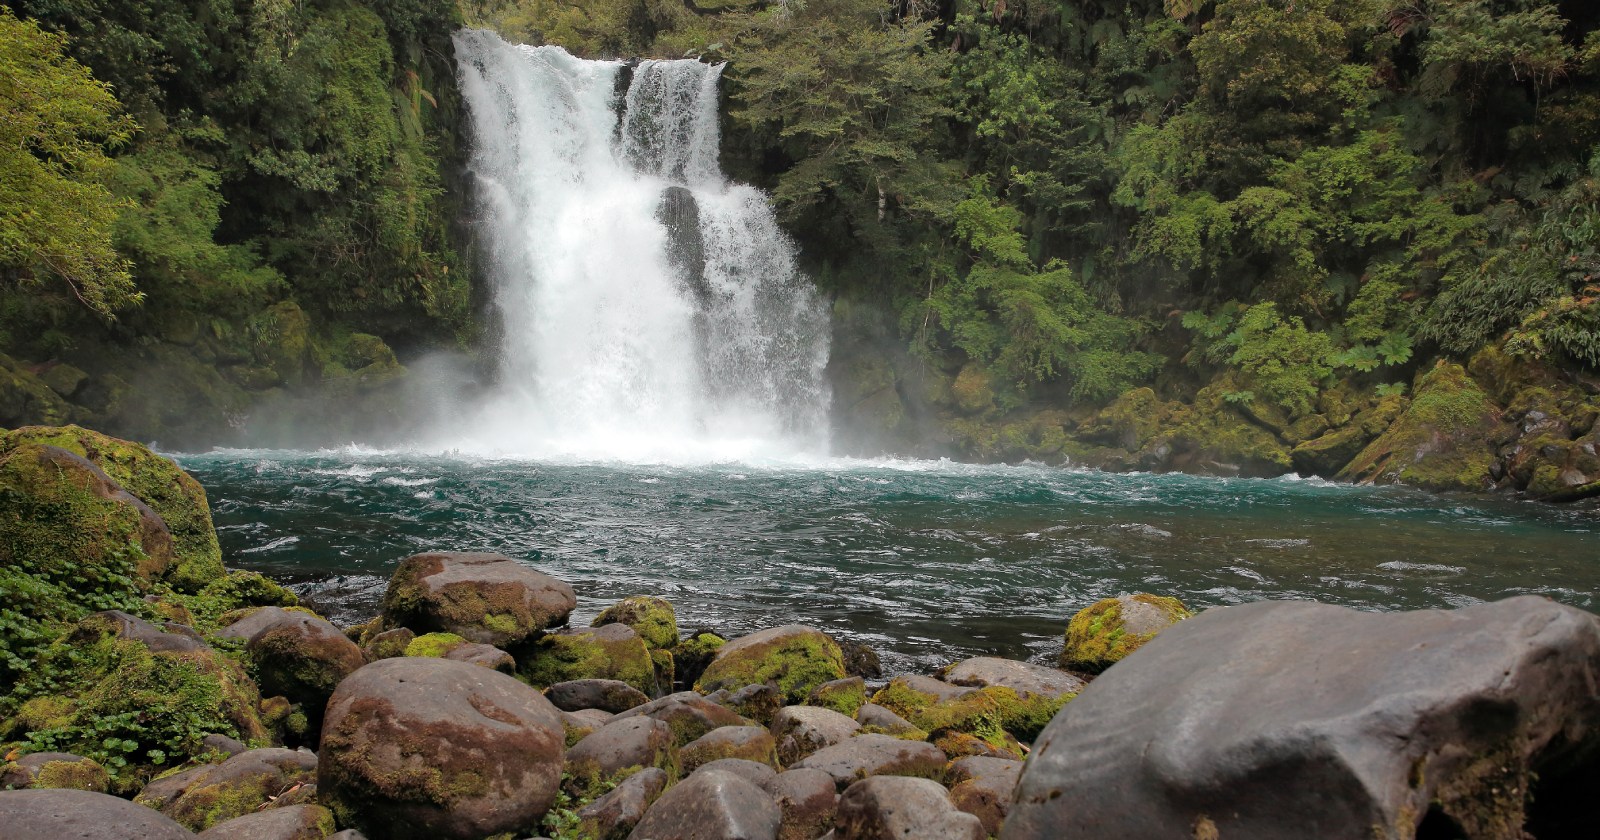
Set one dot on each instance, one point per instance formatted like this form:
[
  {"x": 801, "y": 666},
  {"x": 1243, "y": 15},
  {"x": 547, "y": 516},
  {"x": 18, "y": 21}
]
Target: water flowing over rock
[{"x": 649, "y": 306}]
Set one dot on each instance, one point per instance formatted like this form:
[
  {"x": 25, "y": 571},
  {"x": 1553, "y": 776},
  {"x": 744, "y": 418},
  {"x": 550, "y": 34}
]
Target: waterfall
[{"x": 650, "y": 307}]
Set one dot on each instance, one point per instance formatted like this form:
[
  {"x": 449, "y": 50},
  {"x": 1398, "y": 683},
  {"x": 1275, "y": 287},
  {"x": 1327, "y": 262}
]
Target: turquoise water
[{"x": 924, "y": 561}]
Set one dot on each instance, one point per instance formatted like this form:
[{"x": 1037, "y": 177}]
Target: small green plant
[{"x": 1391, "y": 389}]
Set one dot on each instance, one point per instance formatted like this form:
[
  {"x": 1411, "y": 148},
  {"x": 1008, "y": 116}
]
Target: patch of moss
[
  {"x": 665, "y": 668},
  {"x": 1441, "y": 441},
  {"x": 795, "y": 662},
  {"x": 435, "y": 645},
  {"x": 845, "y": 696},
  {"x": 652, "y": 618},
  {"x": 1025, "y": 715},
  {"x": 131, "y": 710},
  {"x": 173, "y": 494},
  {"x": 237, "y": 590},
  {"x": 1098, "y": 636},
  {"x": 590, "y": 654},
  {"x": 73, "y": 775}
]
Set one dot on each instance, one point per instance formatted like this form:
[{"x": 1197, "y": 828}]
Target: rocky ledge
[{"x": 142, "y": 702}]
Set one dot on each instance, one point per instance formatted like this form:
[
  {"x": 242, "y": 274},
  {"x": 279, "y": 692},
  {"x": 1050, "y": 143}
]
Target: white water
[{"x": 616, "y": 344}]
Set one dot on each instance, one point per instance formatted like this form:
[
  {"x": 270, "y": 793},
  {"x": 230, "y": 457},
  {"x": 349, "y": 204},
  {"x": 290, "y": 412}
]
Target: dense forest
[{"x": 1245, "y": 236}]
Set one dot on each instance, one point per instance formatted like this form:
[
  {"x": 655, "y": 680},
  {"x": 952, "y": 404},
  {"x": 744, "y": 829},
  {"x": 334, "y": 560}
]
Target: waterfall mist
[{"x": 650, "y": 308}]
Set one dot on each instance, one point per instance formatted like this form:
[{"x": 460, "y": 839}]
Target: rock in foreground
[
  {"x": 80, "y": 815},
  {"x": 485, "y": 598},
  {"x": 432, "y": 748},
  {"x": 1280, "y": 719}
]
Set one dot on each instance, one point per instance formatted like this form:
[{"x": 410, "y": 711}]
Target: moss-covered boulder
[
  {"x": 54, "y": 770},
  {"x": 1440, "y": 442},
  {"x": 608, "y": 652},
  {"x": 131, "y": 696},
  {"x": 237, "y": 590},
  {"x": 296, "y": 653},
  {"x": 843, "y": 696},
  {"x": 486, "y": 598},
  {"x": 418, "y": 748},
  {"x": 652, "y": 618},
  {"x": 1327, "y": 454},
  {"x": 751, "y": 743},
  {"x": 939, "y": 708},
  {"x": 876, "y": 755},
  {"x": 795, "y": 658},
  {"x": 240, "y": 785},
  {"x": 802, "y": 730},
  {"x": 620, "y": 745},
  {"x": 1106, "y": 631},
  {"x": 1216, "y": 438},
  {"x": 156, "y": 481},
  {"x": 281, "y": 822},
  {"x": 693, "y": 654},
  {"x": 1129, "y": 422}
]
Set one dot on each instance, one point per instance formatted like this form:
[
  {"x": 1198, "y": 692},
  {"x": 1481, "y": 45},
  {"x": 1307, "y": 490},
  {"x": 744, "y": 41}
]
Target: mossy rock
[
  {"x": 436, "y": 645},
  {"x": 973, "y": 390},
  {"x": 845, "y": 696},
  {"x": 1217, "y": 439},
  {"x": 609, "y": 652},
  {"x": 1326, "y": 455},
  {"x": 133, "y": 705},
  {"x": 1105, "y": 632},
  {"x": 26, "y": 398},
  {"x": 54, "y": 770},
  {"x": 693, "y": 654},
  {"x": 482, "y": 597},
  {"x": 72, "y": 541},
  {"x": 974, "y": 712},
  {"x": 236, "y": 591},
  {"x": 156, "y": 481},
  {"x": 1129, "y": 422},
  {"x": 1440, "y": 442},
  {"x": 280, "y": 337},
  {"x": 652, "y": 618},
  {"x": 795, "y": 658}
]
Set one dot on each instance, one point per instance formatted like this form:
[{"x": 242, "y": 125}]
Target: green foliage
[
  {"x": 1280, "y": 357},
  {"x": 55, "y": 214}
]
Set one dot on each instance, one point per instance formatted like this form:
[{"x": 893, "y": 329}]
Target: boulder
[
  {"x": 757, "y": 702},
  {"x": 293, "y": 822},
  {"x": 54, "y": 770},
  {"x": 808, "y": 800},
  {"x": 81, "y": 815},
  {"x": 297, "y": 654},
  {"x": 487, "y": 598},
  {"x": 844, "y": 696},
  {"x": 982, "y": 787},
  {"x": 876, "y": 755},
  {"x": 802, "y": 730},
  {"x": 1440, "y": 441},
  {"x": 794, "y": 657},
  {"x": 613, "y": 816},
  {"x": 607, "y": 695},
  {"x": 483, "y": 656},
  {"x": 620, "y": 744},
  {"x": 935, "y": 707},
  {"x": 215, "y": 743},
  {"x": 609, "y": 652},
  {"x": 689, "y": 715},
  {"x": 895, "y": 807},
  {"x": 875, "y": 718},
  {"x": 388, "y": 644},
  {"x": 170, "y": 493},
  {"x": 582, "y": 722},
  {"x": 238, "y": 786},
  {"x": 1021, "y": 677},
  {"x": 752, "y": 743},
  {"x": 693, "y": 654},
  {"x": 1303, "y": 719},
  {"x": 711, "y": 805},
  {"x": 755, "y": 772},
  {"x": 652, "y": 618},
  {"x": 430, "y": 748},
  {"x": 1101, "y": 634}
]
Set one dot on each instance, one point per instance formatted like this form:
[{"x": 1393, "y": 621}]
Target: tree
[{"x": 56, "y": 215}]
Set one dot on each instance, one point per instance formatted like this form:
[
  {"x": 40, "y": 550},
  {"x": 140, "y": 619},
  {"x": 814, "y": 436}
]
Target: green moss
[
  {"x": 1097, "y": 637},
  {"x": 434, "y": 645},
  {"x": 173, "y": 494},
  {"x": 586, "y": 654},
  {"x": 73, "y": 775},
  {"x": 1026, "y": 715},
  {"x": 238, "y": 590},
  {"x": 1215, "y": 434},
  {"x": 132, "y": 711},
  {"x": 794, "y": 662},
  {"x": 1441, "y": 442},
  {"x": 665, "y": 667},
  {"x": 843, "y": 696},
  {"x": 652, "y": 618}
]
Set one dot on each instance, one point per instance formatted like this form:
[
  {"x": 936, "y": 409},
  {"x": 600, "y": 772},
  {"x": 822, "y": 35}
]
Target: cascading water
[{"x": 651, "y": 308}]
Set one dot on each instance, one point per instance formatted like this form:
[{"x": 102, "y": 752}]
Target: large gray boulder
[
  {"x": 296, "y": 654},
  {"x": 81, "y": 815},
  {"x": 486, "y": 598},
  {"x": 1279, "y": 719},
  {"x": 417, "y": 747},
  {"x": 896, "y": 807}
]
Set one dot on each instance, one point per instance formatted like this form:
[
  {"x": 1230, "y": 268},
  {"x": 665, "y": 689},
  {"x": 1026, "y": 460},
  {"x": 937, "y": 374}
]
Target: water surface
[{"x": 925, "y": 561}]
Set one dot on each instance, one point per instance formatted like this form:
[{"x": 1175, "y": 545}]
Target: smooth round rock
[
  {"x": 876, "y": 755},
  {"x": 620, "y": 744},
  {"x": 897, "y": 807},
  {"x": 711, "y": 806},
  {"x": 1021, "y": 677},
  {"x": 81, "y": 815},
  {"x": 752, "y": 743},
  {"x": 297, "y": 655},
  {"x": 808, "y": 800},
  {"x": 616, "y": 813},
  {"x": 293, "y": 822},
  {"x": 795, "y": 658},
  {"x": 430, "y": 748},
  {"x": 802, "y": 730},
  {"x": 689, "y": 715},
  {"x": 607, "y": 695},
  {"x": 487, "y": 598}
]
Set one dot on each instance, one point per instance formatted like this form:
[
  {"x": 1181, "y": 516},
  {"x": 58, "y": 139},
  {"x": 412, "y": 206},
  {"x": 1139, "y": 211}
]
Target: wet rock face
[
  {"x": 432, "y": 748},
  {"x": 485, "y": 598},
  {"x": 1314, "y": 720}
]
